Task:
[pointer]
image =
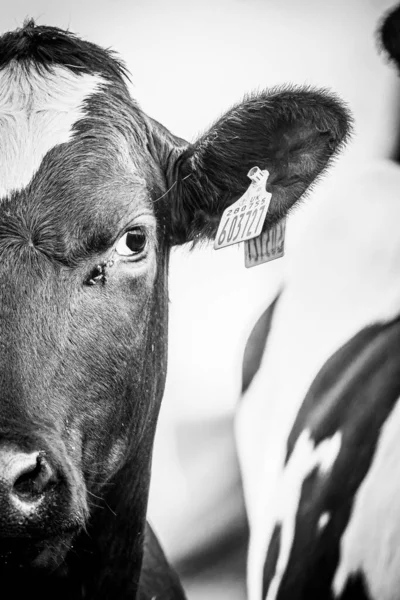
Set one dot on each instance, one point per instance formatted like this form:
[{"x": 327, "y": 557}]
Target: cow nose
[{"x": 26, "y": 477}]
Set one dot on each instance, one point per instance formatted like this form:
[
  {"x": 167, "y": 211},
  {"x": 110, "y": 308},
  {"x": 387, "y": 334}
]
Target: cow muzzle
[
  {"x": 40, "y": 509},
  {"x": 25, "y": 480}
]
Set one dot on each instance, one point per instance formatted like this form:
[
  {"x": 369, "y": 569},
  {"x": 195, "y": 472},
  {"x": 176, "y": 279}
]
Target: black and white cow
[
  {"x": 319, "y": 424},
  {"x": 93, "y": 193}
]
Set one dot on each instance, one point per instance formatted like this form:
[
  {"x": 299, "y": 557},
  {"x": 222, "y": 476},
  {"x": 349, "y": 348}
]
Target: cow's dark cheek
[{"x": 103, "y": 371}]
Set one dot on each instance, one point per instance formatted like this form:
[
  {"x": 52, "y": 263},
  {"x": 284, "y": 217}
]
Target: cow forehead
[{"x": 38, "y": 110}]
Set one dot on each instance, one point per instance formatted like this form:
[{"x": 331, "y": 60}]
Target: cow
[
  {"x": 93, "y": 194},
  {"x": 321, "y": 391}
]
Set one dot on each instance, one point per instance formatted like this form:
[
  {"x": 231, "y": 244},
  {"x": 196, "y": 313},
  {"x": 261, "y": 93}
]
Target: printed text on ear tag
[
  {"x": 267, "y": 246},
  {"x": 245, "y": 218}
]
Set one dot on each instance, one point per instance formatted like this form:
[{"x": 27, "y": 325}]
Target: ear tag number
[
  {"x": 267, "y": 246},
  {"x": 244, "y": 219}
]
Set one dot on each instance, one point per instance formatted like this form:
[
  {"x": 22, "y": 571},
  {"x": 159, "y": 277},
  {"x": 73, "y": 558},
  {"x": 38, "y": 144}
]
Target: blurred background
[{"x": 191, "y": 60}]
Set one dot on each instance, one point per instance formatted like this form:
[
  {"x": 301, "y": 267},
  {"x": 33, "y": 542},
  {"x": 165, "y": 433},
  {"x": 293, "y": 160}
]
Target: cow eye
[{"x": 133, "y": 242}]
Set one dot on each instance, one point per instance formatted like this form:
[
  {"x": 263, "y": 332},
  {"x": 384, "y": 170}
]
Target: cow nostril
[{"x": 34, "y": 481}]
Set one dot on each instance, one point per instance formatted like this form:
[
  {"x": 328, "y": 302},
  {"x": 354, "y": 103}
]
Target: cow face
[{"x": 93, "y": 194}]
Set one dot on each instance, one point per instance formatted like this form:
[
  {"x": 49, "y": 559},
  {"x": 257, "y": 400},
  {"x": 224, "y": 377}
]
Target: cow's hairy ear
[
  {"x": 389, "y": 35},
  {"x": 293, "y": 133}
]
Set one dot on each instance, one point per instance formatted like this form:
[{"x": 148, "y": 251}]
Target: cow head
[
  {"x": 93, "y": 194},
  {"x": 389, "y": 35}
]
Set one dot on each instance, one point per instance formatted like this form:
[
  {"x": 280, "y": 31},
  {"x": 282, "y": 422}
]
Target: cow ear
[
  {"x": 293, "y": 133},
  {"x": 389, "y": 35}
]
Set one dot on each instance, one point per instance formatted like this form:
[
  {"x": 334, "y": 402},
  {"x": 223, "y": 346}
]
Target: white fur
[
  {"x": 371, "y": 542},
  {"x": 37, "y": 112},
  {"x": 342, "y": 276},
  {"x": 323, "y": 521},
  {"x": 284, "y": 503}
]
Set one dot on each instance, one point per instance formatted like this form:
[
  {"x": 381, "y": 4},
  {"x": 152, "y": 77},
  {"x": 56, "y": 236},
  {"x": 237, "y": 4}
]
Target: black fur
[
  {"x": 256, "y": 345},
  {"x": 157, "y": 579},
  {"x": 272, "y": 559},
  {"x": 354, "y": 394},
  {"x": 44, "y": 46},
  {"x": 389, "y": 35}
]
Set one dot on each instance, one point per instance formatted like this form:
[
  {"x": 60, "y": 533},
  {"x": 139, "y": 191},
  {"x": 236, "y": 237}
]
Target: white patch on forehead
[
  {"x": 37, "y": 112},
  {"x": 371, "y": 542},
  {"x": 304, "y": 459}
]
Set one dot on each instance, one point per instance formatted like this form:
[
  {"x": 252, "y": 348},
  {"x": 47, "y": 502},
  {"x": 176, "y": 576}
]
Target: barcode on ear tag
[
  {"x": 267, "y": 246},
  {"x": 244, "y": 219}
]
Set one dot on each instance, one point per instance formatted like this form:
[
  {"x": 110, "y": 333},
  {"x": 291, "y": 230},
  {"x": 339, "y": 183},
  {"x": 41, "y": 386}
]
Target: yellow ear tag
[
  {"x": 244, "y": 219},
  {"x": 267, "y": 246}
]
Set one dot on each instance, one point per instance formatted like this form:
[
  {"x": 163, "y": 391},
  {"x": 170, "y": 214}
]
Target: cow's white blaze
[
  {"x": 371, "y": 541},
  {"x": 305, "y": 458},
  {"x": 37, "y": 112}
]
